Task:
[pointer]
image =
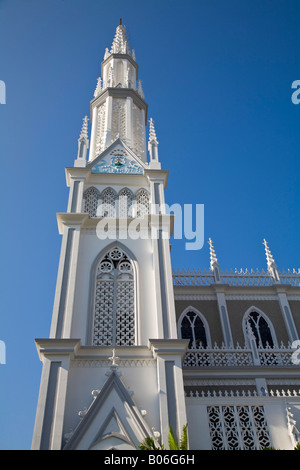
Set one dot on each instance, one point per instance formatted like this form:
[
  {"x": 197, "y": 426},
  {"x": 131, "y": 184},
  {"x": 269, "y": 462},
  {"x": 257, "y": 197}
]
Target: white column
[
  {"x": 68, "y": 314},
  {"x": 223, "y": 313},
  {"x": 129, "y": 127},
  {"x": 108, "y": 121},
  {"x": 287, "y": 314},
  {"x": 93, "y": 134}
]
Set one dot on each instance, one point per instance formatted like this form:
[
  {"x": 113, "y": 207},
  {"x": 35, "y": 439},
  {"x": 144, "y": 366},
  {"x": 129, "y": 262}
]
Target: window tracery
[
  {"x": 142, "y": 203},
  {"x": 192, "y": 327},
  {"x": 114, "y": 309},
  {"x": 110, "y": 204},
  {"x": 257, "y": 324},
  {"x": 91, "y": 200}
]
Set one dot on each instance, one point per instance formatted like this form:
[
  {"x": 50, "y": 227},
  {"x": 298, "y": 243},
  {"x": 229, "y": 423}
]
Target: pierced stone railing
[
  {"x": 242, "y": 393},
  {"x": 234, "y": 277},
  {"x": 239, "y": 357}
]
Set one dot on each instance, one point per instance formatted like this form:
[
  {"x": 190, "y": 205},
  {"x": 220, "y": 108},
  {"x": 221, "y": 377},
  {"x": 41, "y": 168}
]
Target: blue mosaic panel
[{"x": 118, "y": 164}]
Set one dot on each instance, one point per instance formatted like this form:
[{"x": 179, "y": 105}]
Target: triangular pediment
[
  {"x": 112, "y": 421},
  {"x": 118, "y": 158}
]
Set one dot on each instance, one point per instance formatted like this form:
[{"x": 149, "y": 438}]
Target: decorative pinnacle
[
  {"x": 152, "y": 134},
  {"x": 213, "y": 258},
  {"x": 270, "y": 259},
  {"x": 120, "y": 43},
  {"x": 84, "y": 129},
  {"x": 98, "y": 88},
  {"x": 271, "y": 263}
]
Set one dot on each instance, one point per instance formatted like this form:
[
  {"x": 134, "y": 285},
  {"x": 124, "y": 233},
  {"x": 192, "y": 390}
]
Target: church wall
[
  {"x": 87, "y": 375},
  {"x": 236, "y": 312},
  {"x": 90, "y": 247}
]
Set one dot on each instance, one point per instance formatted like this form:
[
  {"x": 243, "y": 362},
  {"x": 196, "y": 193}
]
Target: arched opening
[
  {"x": 114, "y": 304},
  {"x": 193, "y": 326}
]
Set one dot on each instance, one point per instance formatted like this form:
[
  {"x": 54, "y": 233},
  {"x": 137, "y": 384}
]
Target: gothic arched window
[
  {"x": 91, "y": 199},
  {"x": 125, "y": 203},
  {"x": 108, "y": 203},
  {"x": 261, "y": 328},
  {"x": 142, "y": 203},
  {"x": 114, "y": 306},
  {"x": 192, "y": 327}
]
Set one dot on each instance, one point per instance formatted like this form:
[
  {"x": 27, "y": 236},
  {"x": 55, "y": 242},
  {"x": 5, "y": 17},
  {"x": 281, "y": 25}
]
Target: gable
[
  {"x": 112, "y": 421},
  {"x": 117, "y": 158}
]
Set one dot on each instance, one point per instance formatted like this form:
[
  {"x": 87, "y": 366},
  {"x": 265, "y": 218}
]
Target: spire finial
[
  {"x": 113, "y": 359},
  {"x": 213, "y": 258},
  {"x": 269, "y": 256},
  {"x": 272, "y": 267},
  {"x": 120, "y": 43},
  {"x": 214, "y": 265},
  {"x": 84, "y": 129},
  {"x": 152, "y": 133}
]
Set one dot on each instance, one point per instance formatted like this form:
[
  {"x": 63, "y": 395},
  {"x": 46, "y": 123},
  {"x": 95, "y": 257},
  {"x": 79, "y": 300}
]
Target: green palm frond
[
  {"x": 184, "y": 439},
  {"x": 172, "y": 441}
]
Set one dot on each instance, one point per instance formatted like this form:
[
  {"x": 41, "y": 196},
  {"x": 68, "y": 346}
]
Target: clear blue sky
[{"x": 217, "y": 77}]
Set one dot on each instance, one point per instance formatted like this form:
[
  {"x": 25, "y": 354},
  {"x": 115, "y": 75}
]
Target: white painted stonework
[{"x": 133, "y": 346}]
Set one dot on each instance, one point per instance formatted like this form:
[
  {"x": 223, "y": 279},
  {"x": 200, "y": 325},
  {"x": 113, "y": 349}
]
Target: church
[{"x": 136, "y": 348}]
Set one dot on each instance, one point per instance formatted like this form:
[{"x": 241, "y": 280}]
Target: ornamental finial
[
  {"x": 84, "y": 129},
  {"x": 98, "y": 88},
  {"x": 269, "y": 256},
  {"x": 120, "y": 43},
  {"x": 152, "y": 134},
  {"x": 213, "y": 258},
  {"x": 113, "y": 359},
  {"x": 272, "y": 267}
]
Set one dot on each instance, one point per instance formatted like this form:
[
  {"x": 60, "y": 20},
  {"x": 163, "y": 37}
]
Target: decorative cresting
[
  {"x": 114, "y": 307},
  {"x": 108, "y": 203}
]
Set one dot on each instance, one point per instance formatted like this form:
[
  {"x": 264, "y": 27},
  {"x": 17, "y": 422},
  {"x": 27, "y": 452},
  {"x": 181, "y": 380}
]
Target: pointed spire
[
  {"x": 153, "y": 146},
  {"x": 140, "y": 89},
  {"x": 152, "y": 134},
  {"x": 83, "y": 144},
  {"x": 214, "y": 265},
  {"x": 98, "y": 88},
  {"x": 272, "y": 267},
  {"x": 213, "y": 257},
  {"x": 120, "y": 43},
  {"x": 84, "y": 129}
]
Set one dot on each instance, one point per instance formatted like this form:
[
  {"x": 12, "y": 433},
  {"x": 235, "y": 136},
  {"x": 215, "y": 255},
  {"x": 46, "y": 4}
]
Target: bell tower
[{"x": 112, "y": 365}]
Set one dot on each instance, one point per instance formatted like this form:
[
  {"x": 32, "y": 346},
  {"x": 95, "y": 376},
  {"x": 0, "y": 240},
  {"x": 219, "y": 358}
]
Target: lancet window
[
  {"x": 91, "y": 200},
  {"x": 110, "y": 204},
  {"x": 125, "y": 203},
  {"x": 193, "y": 328},
  {"x": 114, "y": 306},
  {"x": 261, "y": 328},
  {"x": 142, "y": 203}
]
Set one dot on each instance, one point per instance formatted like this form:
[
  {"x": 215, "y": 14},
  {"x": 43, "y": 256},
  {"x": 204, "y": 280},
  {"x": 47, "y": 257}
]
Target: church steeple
[
  {"x": 118, "y": 109},
  {"x": 120, "y": 43}
]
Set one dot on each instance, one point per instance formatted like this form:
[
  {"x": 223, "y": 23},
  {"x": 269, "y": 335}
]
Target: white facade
[{"x": 120, "y": 364}]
